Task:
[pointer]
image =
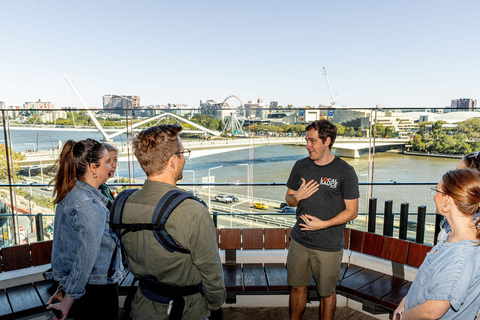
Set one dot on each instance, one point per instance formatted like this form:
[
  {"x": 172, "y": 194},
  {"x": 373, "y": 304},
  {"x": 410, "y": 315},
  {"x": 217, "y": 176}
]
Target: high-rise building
[
  {"x": 39, "y": 105},
  {"x": 116, "y": 102},
  {"x": 273, "y": 104},
  {"x": 464, "y": 104}
]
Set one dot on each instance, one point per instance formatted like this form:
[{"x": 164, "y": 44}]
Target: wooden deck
[{"x": 342, "y": 313}]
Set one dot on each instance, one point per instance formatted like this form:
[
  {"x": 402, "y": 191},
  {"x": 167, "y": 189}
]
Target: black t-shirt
[{"x": 337, "y": 182}]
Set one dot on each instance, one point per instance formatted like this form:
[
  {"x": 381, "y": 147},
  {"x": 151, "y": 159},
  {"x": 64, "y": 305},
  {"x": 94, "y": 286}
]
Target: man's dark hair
[{"x": 325, "y": 129}]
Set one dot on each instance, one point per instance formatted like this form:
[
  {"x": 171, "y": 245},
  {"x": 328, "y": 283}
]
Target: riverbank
[{"x": 429, "y": 154}]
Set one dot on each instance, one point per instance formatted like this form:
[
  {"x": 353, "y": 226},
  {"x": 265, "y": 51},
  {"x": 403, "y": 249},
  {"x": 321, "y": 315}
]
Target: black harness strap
[{"x": 162, "y": 211}]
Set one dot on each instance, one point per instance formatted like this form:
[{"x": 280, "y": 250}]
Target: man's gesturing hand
[{"x": 306, "y": 190}]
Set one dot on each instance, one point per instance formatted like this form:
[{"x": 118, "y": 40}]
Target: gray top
[
  {"x": 337, "y": 182},
  {"x": 450, "y": 272}
]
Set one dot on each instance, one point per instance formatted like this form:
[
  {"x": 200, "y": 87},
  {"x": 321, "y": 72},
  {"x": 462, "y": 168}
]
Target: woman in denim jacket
[{"x": 86, "y": 255}]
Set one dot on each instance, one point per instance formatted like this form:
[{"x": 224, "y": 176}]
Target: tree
[
  {"x": 17, "y": 158},
  {"x": 470, "y": 127},
  {"x": 389, "y": 132},
  {"x": 418, "y": 143},
  {"x": 340, "y": 129}
]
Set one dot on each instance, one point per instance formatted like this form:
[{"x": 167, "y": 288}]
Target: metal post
[
  {"x": 421, "y": 217},
  {"x": 215, "y": 219},
  {"x": 438, "y": 218},
  {"x": 10, "y": 172},
  {"x": 39, "y": 225},
  {"x": 372, "y": 214},
  {"x": 388, "y": 219},
  {"x": 403, "y": 221}
]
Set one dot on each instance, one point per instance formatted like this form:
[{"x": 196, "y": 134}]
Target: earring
[
  {"x": 444, "y": 209},
  {"x": 95, "y": 175}
]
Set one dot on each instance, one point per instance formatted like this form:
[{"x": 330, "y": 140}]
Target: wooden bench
[
  {"x": 256, "y": 278},
  {"x": 379, "y": 290},
  {"x": 23, "y": 291}
]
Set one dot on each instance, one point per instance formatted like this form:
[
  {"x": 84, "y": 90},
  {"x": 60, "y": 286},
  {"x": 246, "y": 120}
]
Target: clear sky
[{"x": 393, "y": 53}]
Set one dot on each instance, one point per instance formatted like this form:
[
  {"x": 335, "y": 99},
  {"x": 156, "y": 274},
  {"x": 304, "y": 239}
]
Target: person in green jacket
[{"x": 161, "y": 154}]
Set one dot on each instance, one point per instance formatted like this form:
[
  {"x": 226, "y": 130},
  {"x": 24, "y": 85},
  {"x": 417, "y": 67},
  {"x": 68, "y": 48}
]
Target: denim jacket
[{"x": 83, "y": 243}]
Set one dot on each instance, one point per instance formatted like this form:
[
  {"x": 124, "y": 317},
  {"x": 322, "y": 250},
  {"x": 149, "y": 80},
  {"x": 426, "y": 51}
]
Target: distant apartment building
[
  {"x": 280, "y": 117},
  {"x": 53, "y": 116},
  {"x": 116, "y": 102},
  {"x": 40, "y": 105},
  {"x": 2, "y": 105},
  {"x": 464, "y": 104},
  {"x": 256, "y": 109},
  {"x": 211, "y": 108},
  {"x": 273, "y": 104},
  {"x": 180, "y": 109}
]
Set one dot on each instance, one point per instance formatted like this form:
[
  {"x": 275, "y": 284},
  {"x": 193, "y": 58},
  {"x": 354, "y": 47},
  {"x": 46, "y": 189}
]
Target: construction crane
[{"x": 334, "y": 99}]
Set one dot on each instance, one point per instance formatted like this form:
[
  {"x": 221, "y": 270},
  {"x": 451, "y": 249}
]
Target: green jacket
[{"x": 191, "y": 226}]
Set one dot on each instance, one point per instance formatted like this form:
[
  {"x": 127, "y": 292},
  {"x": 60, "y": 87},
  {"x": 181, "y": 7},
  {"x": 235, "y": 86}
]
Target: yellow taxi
[{"x": 260, "y": 205}]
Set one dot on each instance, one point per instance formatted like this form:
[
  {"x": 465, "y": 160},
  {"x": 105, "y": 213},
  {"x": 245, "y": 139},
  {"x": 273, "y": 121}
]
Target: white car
[{"x": 224, "y": 198}]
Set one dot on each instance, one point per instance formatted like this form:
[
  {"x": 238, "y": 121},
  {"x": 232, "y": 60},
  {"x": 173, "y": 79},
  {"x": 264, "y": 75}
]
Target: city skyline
[{"x": 394, "y": 54}]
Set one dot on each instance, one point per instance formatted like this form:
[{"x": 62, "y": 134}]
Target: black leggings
[{"x": 100, "y": 301}]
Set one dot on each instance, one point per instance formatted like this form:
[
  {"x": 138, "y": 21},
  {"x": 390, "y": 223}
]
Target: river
[{"x": 274, "y": 163}]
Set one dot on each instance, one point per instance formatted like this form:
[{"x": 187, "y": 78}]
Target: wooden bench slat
[
  {"x": 289, "y": 230},
  {"x": 230, "y": 239},
  {"x": 41, "y": 252},
  {"x": 393, "y": 299},
  {"x": 45, "y": 290},
  {"x": 356, "y": 240},
  {"x": 346, "y": 238},
  {"x": 379, "y": 288},
  {"x": 351, "y": 270},
  {"x": 126, "y": 285},
  {"x": 24, "y": 299},
  {"x": 352, "y": 283},
  {"x": 16, "y": 257},
  {"x": 254, "y": 278},
  {"x": 252, "y": 238},
  {"x": 5, "y": 309},
  {"x": 373, "y": 244},
  {"x": 274, "y": 238},
  {"x": 396, "y": 250},
  {"x": 276, "y": 276},
  {"x": 232, "y": 275},
  {"x": 417, "y": 253}
]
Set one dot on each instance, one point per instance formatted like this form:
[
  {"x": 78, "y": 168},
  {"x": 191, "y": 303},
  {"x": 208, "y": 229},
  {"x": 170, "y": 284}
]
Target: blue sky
[{"x": 393, "y": 53}]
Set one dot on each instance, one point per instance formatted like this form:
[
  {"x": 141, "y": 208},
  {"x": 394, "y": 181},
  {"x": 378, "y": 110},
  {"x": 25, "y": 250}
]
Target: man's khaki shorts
[{"x": 302, "y": 262}]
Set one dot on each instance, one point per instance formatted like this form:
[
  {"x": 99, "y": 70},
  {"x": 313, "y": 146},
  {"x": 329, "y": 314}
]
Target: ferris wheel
[
  {"x": 232, "y": 123},
  {"x": 232, "y": 102}
]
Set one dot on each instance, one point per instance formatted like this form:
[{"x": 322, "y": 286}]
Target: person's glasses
[
  {"x": 186, "y": 153},
  {"x": 474, "y": 155},
  {"x": 434, "y": 190},
  {"x": 95, "y": 143}
]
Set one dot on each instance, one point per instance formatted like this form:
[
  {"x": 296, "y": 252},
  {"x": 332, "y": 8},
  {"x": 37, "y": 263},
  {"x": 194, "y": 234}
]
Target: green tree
[
  {"x": 418, "y": 143},
  {"x": 470, "y": 127},
  {"x": 17, "y": 158}
]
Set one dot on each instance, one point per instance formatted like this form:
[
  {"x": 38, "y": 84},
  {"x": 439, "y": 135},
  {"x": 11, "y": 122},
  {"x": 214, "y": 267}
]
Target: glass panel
[{"x": 251, "y": 160}]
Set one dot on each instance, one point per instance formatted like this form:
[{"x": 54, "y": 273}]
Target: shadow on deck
[{"x": 342, "y": 313}]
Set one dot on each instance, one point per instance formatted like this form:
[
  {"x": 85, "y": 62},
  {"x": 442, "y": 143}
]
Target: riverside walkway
[{"x": 344, "y": 147}]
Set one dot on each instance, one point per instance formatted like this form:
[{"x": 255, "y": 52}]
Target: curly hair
[{"x": 154, "y": 146}]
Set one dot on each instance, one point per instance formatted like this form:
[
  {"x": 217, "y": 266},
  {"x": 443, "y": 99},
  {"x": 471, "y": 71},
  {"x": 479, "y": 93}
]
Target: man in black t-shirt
[{"x": 325, "y": 190}]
